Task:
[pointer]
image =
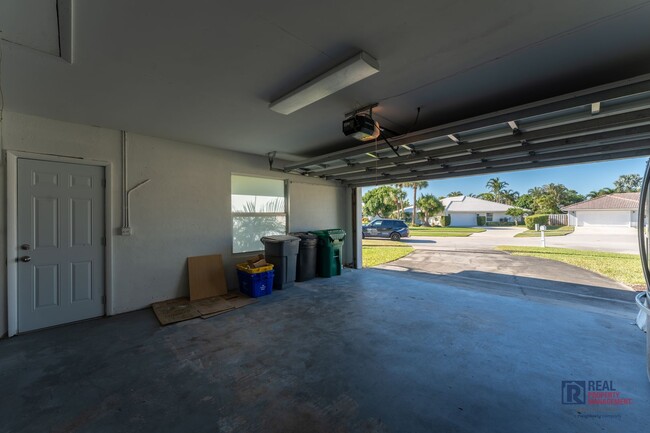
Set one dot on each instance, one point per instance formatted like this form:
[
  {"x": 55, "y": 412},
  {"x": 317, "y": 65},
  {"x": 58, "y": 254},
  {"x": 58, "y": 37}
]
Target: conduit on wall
[{"x": 126, "y": 192}]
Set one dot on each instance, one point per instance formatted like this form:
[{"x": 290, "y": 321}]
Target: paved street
[{"x": 618, "y": 240}]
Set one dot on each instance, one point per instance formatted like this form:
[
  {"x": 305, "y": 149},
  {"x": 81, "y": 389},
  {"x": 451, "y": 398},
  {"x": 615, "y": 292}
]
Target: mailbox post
[{"x": 543, "y": 229}]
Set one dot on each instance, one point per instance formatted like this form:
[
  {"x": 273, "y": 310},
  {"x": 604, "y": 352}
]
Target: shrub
[
  {"x": 531, "y": 220},
  {"x": 480, "y": 220},
  {"x": 445, "y": 220},
  {"x": 500, "y": 224}
]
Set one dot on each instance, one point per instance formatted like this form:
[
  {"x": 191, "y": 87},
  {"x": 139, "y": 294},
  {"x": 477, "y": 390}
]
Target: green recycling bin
[{"x": 328, "y": 252}]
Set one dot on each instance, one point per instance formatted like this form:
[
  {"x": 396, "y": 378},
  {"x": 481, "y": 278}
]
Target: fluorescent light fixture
[{"x": 345, "y": 74}]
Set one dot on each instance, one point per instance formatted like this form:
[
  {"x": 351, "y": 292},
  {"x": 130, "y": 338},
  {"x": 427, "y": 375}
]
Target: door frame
[{"x": 12, "y": 229}]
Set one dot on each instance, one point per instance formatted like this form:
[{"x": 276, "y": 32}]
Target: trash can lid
[
  {"x": 336, "y": 234},
  {"x": 304, "y": 235},
  {"x": 330, "y": 234},
  {"x": 279, "y": 238}
]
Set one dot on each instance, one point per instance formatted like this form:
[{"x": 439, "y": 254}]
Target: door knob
[{"x": 26, "y": 259}]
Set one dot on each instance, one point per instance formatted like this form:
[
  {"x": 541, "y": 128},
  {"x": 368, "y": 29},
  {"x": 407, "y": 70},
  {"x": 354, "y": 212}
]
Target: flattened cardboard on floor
[
  {"x": 175, "y": 310},
  {"x": 210, "y": 306},
  {"x": 207, "y": 277},
  {"x": 178, "y": 310},
  {"x": 237, "y": 300}
]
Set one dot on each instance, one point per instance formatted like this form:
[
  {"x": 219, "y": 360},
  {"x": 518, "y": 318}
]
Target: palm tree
[
  {"x": 509, "y": 196},
  {"x": 429, "y": 205},
  {"x": 415, "y": 185},
  {"x": 600, "y": 192},
  {"x": 397, "y": 195},
  {"x": 486, "y": 196},
  {"x": 536, "y": 191},
  {"x": 454, "y": 194},
  {"x": 628, "y": 183},
  {"x": 400, "y": 208},
  {"x": 496, "y": 186}
]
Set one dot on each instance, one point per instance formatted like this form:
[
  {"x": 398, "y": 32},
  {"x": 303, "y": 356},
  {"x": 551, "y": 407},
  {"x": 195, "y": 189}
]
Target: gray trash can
[
  {"x": 306, "y": 269},
  {"x": 282, "y": 252}
]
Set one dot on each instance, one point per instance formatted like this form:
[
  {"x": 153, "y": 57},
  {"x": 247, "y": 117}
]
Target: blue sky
[{"x": 581, "y": 177}]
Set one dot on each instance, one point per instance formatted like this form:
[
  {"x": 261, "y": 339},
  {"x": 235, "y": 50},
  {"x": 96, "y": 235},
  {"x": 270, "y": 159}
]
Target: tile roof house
[{"x": 612, "y": 210}]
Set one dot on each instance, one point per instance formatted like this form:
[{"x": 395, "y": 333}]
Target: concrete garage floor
[{"x": 370, "y": 351}]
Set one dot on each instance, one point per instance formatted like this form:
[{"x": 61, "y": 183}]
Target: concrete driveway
[
  {"x": 614, "y": 239},
  {"x": 501, "y": 273},
  {"x": 472, "y": 262}
]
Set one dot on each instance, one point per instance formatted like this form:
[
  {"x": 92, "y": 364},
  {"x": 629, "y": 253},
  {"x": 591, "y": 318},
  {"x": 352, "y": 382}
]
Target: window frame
[{"x": 233, "y": 215}]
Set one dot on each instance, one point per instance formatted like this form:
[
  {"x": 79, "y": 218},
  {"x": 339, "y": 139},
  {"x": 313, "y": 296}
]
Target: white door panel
[{"x": 60, "y": 238}]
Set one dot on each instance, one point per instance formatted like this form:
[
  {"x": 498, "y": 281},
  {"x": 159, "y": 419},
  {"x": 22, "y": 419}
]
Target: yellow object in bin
[{"x": 244, "y": 267}]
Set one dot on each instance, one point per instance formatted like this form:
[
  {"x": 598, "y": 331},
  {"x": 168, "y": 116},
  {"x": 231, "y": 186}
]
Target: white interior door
[{"x": 61, "y": 243}]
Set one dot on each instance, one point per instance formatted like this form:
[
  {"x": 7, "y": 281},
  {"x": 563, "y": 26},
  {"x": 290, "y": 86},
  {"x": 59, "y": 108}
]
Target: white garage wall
[
  {"x": 314, "y": 207},
  {"x": 184, "y": 210}
]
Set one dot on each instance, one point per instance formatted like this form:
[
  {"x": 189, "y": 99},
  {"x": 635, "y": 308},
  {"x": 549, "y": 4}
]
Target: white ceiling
[{"x": 204, "y": 72}]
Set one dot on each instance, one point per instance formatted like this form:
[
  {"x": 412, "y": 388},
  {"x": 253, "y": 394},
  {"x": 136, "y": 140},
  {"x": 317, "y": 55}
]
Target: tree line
[{"x": 390, "y": 200}]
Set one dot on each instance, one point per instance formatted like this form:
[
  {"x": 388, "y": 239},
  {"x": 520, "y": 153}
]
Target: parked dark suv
[{"x": 383, "y": 228}]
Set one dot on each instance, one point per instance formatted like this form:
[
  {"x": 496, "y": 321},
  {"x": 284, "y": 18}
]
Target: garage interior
[{"x": 168, "y": 100}]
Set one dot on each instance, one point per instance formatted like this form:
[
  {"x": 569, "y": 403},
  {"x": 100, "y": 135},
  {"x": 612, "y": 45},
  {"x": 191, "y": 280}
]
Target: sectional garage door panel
[
  {"x": 603, "y": 218},
  {"x": 463, "y": 219}
]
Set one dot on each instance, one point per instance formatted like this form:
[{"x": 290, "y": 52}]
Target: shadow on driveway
[{"x": 496, "y": 271}]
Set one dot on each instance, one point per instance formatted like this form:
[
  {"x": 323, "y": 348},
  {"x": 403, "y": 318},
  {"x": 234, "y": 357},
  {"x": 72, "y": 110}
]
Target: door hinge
[
  {"x": 104, "y": 240},
  {"x": 104, "y": 183}
]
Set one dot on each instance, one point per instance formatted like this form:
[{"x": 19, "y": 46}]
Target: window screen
[{"x": 258, "y": 208}]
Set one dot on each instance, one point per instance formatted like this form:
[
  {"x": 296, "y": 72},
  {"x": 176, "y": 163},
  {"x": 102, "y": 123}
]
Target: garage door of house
[
  {"x": 604, "y": 218},
  {"x": 463, "y": 219}
]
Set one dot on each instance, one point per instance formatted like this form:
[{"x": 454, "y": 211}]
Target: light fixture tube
[{"x": 354, "y": 69}]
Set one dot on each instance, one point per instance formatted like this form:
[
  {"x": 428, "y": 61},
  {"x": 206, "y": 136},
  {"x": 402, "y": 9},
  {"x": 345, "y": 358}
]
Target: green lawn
[
  {"x": 444, "y": 232},
  {"x": 625, "y": 268},
  {"x": 377, "y": 251},
  {"x": 550, "y": 231}
]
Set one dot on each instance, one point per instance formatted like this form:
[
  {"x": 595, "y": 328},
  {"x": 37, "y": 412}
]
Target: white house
[
  {"x": 464, "y": 210},
  {"x": 613, "y": 210}
]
